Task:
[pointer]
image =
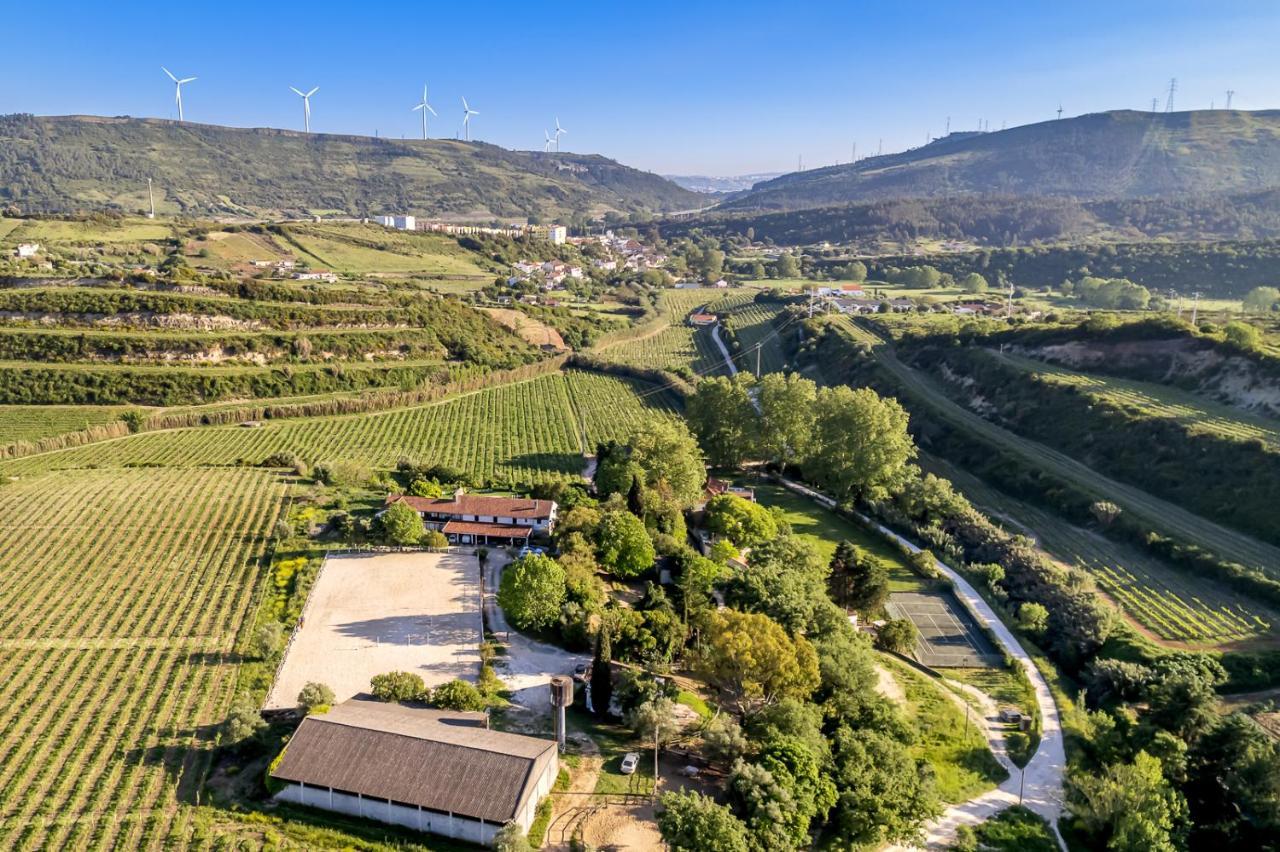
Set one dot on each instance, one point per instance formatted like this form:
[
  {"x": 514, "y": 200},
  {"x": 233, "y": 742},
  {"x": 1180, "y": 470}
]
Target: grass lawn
[
  {"x": 614, "y": 741},
  {"x": 1006, "y": 689},
  {"x": 825, "y": 529},
  {"x": 962, "y": 762}
]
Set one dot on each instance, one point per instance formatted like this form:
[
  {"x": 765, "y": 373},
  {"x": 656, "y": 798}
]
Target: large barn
[{"x": 438, "y": 771}]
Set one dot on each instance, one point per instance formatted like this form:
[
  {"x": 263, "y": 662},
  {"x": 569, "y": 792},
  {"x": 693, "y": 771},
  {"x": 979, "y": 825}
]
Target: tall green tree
[
  {"x": 623, "y": 545},
  {"x": 861, "y": 447},
  {"x": 692, "y": 822},
  {"x": 669, "y": 456},
  {"x": 532, "y": 590},
  {"x": 402, "y": 525},
  {"x": 721, "y": 415},
  {"x": 753, "y": 660},
  {"x": 745, "y": 523},
  {"x": 787, "y": 413},
  {"x": 858, "y": 580},
  {"x": 1233, "y": 786},
  {"x": 1262, "y": 299},
  {"x": 1131, "y": 807}
]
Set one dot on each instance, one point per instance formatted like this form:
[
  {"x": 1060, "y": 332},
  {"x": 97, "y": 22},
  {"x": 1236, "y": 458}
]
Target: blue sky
[{"x": 696, "y": 88}]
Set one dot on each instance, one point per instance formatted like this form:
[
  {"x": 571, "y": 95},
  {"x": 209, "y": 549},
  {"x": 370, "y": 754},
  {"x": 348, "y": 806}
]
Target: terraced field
[
  {"x": 672, "y": 348},
  {"x": 108, "y": 700},
  {"x": 526, "y": 432},
  {"x": 1171, "y": 605},
  {"x": 33, "y": 422},
  {"x": 1160, "y": 514},
  {"x": 1197, "y": 414}
]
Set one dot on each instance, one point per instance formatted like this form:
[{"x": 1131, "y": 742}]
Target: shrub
[
  {"x": 397, "y": 687},
  {"x": 267, "y": 640},
  {"x": 457, "y": 695},
  {"x": 401, "y": 525},
  {"x": 315, "y": 698},
  {"x": 434, "y": 538},
  {"x": 897, "y": 635}
]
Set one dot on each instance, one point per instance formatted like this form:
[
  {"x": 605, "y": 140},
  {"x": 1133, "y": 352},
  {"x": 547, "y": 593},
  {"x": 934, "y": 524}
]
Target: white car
[{"x": 629, "y": 762}]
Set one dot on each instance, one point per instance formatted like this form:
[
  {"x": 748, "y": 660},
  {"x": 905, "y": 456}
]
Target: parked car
[
  {"x": 629, "y": 762},
  {"x": 582, "y": 672}
]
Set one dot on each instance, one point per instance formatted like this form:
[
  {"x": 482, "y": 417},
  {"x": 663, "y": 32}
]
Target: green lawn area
[
  {"x": 825, "y": 529},
  {"x": 56, "y": 231},
  {"x": 614, "y": 741},
  {"x": 962, "y": 762}
]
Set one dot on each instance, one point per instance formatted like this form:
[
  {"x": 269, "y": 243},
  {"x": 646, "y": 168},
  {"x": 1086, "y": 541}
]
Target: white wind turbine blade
[
  {"x": 296, "y": 92},
  {"x": 418, "y": 107},
  {"x": 167, "y": 71},
  {"x": 187, "y": 80},
  {"x": 465, "y": 108},
  {"x": 312, "y": 92},
  {"x": 429, "y": 109}
]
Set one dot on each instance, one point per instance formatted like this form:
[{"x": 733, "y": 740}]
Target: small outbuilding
[{"x": 436, "y": 771}]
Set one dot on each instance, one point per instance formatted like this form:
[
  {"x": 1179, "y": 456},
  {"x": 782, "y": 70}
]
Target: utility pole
[
  {"x": 1022, "y": 783},
  {"x": 759, "y": 346},
  {"x": 1173, "y": 87},
  {"x": 1009, "y": 303},
  {"x": 1154, "y": 101},
  {"x": 152, "y": 199},
  {"x": 1195, "y": 307},
  {"x": 811, "y": 292},
  {"x": 1231, "y": 93}
]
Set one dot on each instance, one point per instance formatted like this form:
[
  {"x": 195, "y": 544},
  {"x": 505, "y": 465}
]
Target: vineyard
[
  {"x": 1173, "y": 606},
  {"x": 523, "y": 432},
  {"x": 1153, "y": 400},
  {"x": 672, "y": 348},
  {"x": 753, "y": 326},
  {"x": 33, "y": 422},
  {"x": 110, "y": 697}
]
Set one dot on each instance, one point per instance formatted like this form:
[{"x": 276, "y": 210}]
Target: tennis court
[{"x": 949, "y": 635}]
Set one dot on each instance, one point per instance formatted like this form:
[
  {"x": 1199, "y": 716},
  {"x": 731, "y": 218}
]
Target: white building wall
[{"x": 446, "y": 825}]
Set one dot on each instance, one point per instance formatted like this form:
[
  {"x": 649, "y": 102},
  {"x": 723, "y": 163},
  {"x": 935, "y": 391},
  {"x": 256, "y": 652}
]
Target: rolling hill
[
  {"x": 1119, "y": 155},
  {"x": 65, "y": 163}
]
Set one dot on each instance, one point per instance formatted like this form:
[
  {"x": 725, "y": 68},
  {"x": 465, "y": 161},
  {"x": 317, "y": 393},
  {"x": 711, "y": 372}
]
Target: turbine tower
[
  {"x": 467, "y": 112},
  {"x": 1059, "y": 110},
  {"x": 426, "y": 108},
  {"x": 306, "y": 106},
  {"x": 560, "y": 131},
  {"x": 1231, "y": 93},
  {"x": 177, "y": 88}
]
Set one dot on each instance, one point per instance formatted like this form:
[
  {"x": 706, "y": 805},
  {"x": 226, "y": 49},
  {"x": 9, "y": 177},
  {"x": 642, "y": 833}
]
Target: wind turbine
[
  {"x": 547, "y": 146},
  {"x": 306, "y": 106},
  {"x": 426, "y": 108},
  {"x": 560, "y": 131},
  {"x": 467, "y": 112},
  {"x": 177, "y": 88}
]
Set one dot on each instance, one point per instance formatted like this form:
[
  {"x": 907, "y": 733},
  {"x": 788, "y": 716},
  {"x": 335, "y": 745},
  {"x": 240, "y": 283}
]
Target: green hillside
[
  {"x": 1110, "y": 155},
  {"x": 59, "y": 164}
]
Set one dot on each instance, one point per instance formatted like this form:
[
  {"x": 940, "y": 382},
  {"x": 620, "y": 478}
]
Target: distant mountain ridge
[
  {"x": 65, "y": 163},
  {"x": 1114, "y": 155},
  {"x": 710, "y": 184}
]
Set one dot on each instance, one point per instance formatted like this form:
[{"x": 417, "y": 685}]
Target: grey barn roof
[{"x": 444, "y": 761}]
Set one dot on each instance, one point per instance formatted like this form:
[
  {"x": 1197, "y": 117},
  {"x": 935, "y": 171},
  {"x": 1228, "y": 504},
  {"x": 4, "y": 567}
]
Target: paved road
[
  {"x": 724, "y": 350},
  {"x": 1040, "y": 783}
]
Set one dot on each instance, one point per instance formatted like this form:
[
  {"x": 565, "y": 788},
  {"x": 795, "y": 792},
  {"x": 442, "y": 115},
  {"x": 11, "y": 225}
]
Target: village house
[
  {"x": 315, "y": 275},
  {"x": 482, "y": 518},
  {"x": 443, "y": 772},
  {"x": 25, "y": 250},
  {"x": 702, "y": 319}
]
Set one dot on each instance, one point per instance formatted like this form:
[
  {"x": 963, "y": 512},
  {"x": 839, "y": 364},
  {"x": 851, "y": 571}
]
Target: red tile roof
[
  {"x": 477, "y": 504},
  {"x": 475, "y": 528}
]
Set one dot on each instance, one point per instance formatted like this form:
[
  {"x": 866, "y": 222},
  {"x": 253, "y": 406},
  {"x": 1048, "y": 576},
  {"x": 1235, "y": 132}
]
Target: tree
[
  {"x": 402, "y": 525},
  {"x": 883, "y": 794},
  {"x": 654, "y": 721},
  {"x": 1261, "y": 299},
  {"x": 1105, "y": 512},
  {"x": 786, "y": 416},
  {"x": 856, "y": 271},
  {"x": 315, "y": 698},
  {"x": 1183, "y": 693},
  {"x": 786, "y": 266},
  {"x": 602, "y": 673},
  {"x": 721, "y": 415},
  {"x": 752, "y": 659},
  {"x": 745, "y": 523},
  {"x": 785, "y": 790},
  {"x": 973, "y": 283},
  {"x": 722, "y": 551},
  {"x": 531, "y": 591},
  {"x": 698, "y": 578},
  {"x": 1033, "y": 617},
  {"x": 511, "y": 838},
  {"x": 898, "y": 635},
  {"x": 723, "y": 739},
  {"x": 670, "y": 456},
  {"x": 1243, "y": 335},
  {"x": 1233, "y": 786},
  {"x": 244, "y": 721},
  {"x": 397, "y": 687},
  {"x": 458, "y": 694},
  {"x": 861, "y": 446},
  {"x": 267, "y": 640},
  {"x": 1130, "y": 807},
  {"x": 858, "y": 580},
  {"x": 623, "y": 544},
  {"x": 435, "y": 539},
  {"x": 692, "y": 822}
]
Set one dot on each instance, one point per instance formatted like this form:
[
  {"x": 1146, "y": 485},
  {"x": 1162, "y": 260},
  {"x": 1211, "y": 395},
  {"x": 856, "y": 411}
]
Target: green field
[
  {"x": 111, "y": 697},
  {"x": 825, "y": 529},
  {"x": 54, "y": 231},
  {"x": 1160, "y": 514},
  {"x": 671, "y": 348},
  {"x": 33, "y": 422},
  {"x": 1149, "y": 399},
  {"x": 753, "y": 326},
  {"x": 372, "y": 250},
  {"x": 1170, "y": 605},
  {"x": 526, "y": 432}
]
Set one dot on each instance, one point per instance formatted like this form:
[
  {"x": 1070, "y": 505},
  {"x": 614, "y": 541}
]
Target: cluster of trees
[
  {"x": 456, "y": 694},
  {"x": 1262, "y": 300},
  {"x": 854, "y": 443},
  {"x": 1108, "y": 293}
]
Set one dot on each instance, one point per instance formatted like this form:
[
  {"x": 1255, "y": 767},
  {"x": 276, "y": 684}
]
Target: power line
[
  {"x": 1231, "y": 93},
  {"x": 1173, "y": 87}
]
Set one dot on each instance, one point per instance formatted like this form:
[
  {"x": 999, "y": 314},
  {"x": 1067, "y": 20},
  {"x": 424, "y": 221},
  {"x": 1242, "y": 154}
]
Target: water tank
[{"x": 561, "y": 691}]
